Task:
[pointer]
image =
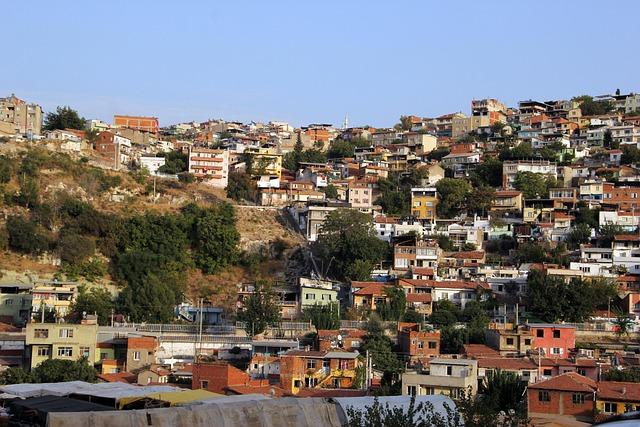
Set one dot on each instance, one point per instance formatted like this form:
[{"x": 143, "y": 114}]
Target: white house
[{"x": 152, "y": 163}]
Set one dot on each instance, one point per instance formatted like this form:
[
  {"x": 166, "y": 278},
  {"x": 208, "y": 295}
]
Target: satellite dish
[{"x": 339, "y": 337}]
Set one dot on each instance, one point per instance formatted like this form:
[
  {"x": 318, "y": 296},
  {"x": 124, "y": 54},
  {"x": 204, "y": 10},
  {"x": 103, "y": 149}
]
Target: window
[
  {"x": 543, "y": 396},
  {"x": 578, "y": 399},
  {"x": 65, "y": 351},
  {"x": 8, "y": 301},
  {"x": 527, "y": 341},
  {"x": 103, "y": 356},
  {"x": 66, "y": 333},
  {"x": 611, "y": 408},
  {"x": 310, "y": 296},
  {"x": 41, "y": 333},
  {"x": 540, "y": 333},
  {"x": 43, "y": 351},
  {"x": 547, "y": 372},
  {"x": 84, "y": 351},
  {"x": 556, "y": 334},
  {"x": 411, "y": 390},
  {"x": 311, "y": 364},
  {"x": 420, "y": 345},
  {"x": 509, "y": 341},
  {"x": 556, "y": 350},
  {"x": 628, "y": 408},
  {"x": 449, "y": 370},
  {"x": 432, "y": 344},
  {"x": 582, "y": 371},
  {"x": 204, "y": 384},
  {"x": 136, "y": 355}
]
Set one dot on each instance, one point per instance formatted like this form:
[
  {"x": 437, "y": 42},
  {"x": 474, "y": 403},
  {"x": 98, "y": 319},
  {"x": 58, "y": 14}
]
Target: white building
[{"x": 152, "y": 164}]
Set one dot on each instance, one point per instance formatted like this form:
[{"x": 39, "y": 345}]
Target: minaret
[{"x": 345, "y": 124}]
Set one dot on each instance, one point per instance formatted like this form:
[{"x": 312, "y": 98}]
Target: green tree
[
  {"x": 380, "y": 348},
  {"x": 331, "y": 192},
  {"x": 394, "y": 307},
  {"x": 340, "y": 148},
  {"x": 75, "y": 248},
  {"x": 504, "y": 391},
  {"x": 29, "y": 194},
  {"x": 25, "y": 236},
  {"x": 551, "y": 299},
  {"x": 522, "y": 151},
  {"x": 348, "y": 240},
  {"x": 405, "y": 122},
  {"x": 241, "y": 187},
  {"x": 58, "y": 370},
  {"x": 630, "y": 155},
  {"x": 589, "y": 107},
  {"x": 533, "y": 185},
  {"x": 585, "y": 215},
  {"x": 607, "y": 140},
  {"x": 579, "y": 234},
  {"x": 260, "y": 309},
  {"x": 215, "y": 238},
  {"x": 6, "y": 169},
  {"x": 175, "y": 162},
  {"x": 624, "y": 324},
  {"x": 422, "y": 414},
  {"x": 15, "y": 376},
  {"x": 445, "y": 314},
  {"x": 607, "y": 233},
  {"x": 630, "y": 374},
  {"x": 451, "y": 339},
  {"x": 323, "y": 316},
  {"x": 453, "y": 194},
  {"x": 97, "y": 301},
  {"x": 64, "y": 118},
  {"x": 488, "y": 173},
  {"x": 480, "y": 199}
]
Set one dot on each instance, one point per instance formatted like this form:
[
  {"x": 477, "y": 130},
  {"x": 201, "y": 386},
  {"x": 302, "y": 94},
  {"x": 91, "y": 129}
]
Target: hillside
[{"x": 38, "y": 183}]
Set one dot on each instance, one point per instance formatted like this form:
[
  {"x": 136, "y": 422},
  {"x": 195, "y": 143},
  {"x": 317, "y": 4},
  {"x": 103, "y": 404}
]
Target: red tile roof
[
  {"x": 373, "y": 289},
  {"x": 419, "y": 297},
  {"x": 427, "y": 271},
  {"x": 338, "y": 392},
  {"x": 122, "y": 377},
  {"x": 143, "y": 343},
  {"x": 508, "y": 193},
  {"x": 627, "y": 238},
  {"x": 619, "y": 391},
  {"x": 466, "y": 255},
  {"x": 567, "y": 382},
  {"x": 267, "y": 390},
  {"x": 507, "y": 363},
  {"x": 479, "y": 350}
]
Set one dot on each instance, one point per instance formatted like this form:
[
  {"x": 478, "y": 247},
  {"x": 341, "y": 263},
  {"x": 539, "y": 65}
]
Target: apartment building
[
  {"x": 15, "y": 303},
  {"x": 115, "y": 147},
  {"x": 300, "y": 369},
  {"x": 507, "y": 201},
  {"x": 20, "y": 117},
  {"x": 141, "y": 123},
  {"x": 210, "y": 166},
  {"x": 61, "y": 341},
  {"x": 511, "y": 168},
  {"x": 424, "y": 201},
  {"x": 451, "y": 377},
  {"x": 415, "y": 343}
]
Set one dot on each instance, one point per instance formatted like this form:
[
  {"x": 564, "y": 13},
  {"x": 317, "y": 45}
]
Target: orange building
[
  {"x": 415, "y": 343},
  {"x": 145, "y": 124}
]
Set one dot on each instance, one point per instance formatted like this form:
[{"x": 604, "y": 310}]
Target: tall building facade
[{"x": 19, "y": 117}]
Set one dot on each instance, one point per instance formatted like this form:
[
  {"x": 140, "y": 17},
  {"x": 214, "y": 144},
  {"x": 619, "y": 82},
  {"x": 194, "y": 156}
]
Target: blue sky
[{"x": 303, "y": 61}]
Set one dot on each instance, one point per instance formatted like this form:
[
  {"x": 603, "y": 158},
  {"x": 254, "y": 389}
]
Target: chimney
[{"x": 624, "y": 390}]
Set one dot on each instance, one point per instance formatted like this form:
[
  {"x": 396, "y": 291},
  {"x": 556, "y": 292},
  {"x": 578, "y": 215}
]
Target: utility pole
[{"x": 112, "y": 317}]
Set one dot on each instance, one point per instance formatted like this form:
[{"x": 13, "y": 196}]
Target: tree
[
  {"x": 260, "y": 309},
  {"x": 340, "y": 148},
  {"x": 453, "y": 194},
  {"x": 75, "y": 248},
  {"x": 15, "y": 376},
  {"x": 488, "y": 173},
  {"x": 241, "y": 187},
  {"x": 624, "y": 324},
  {"x": 406, "y": 123},
  {"x": 607, "y": 233},
  {"x": 323, "y": 316},
  {"x": 6, "y": 169},
  {"x": 379, "y": 347},
  {"x": 533, "y": 185},
  {"x": 422, "y": 414},
  {"x": 97, "y": 301},
  {"x": 522, "y": 151},
  {"x": 480, "y": 199},
  {"x": 551, "y": 299},
  {"x": 445, "y": 243},
  {"x": 445, "y": 314},
  {"x": 631, "y": 374},
  {"x": 25, "y": 236},
  {"x": 451, "y": 339},
  {"x": 215, "y": 238},
  {"x": 64, "y": 118},
  {"x": 630, "y": 155},
  {"x": 438, "y": 154},
  {"x": 579, "y": 234},
  {"x": 331, "y": 192},
  {"x": 57, "y": 370},
  {"x": 395, "y": 304},
  {"x": 585, "y": 215},
  {"x": 348, "y": 245},
  {"x": 412, "y": 316},
  {"x": 175, "y": 162},
  {"x": 607, "y": 140},
  {"x": 589, "y": 107},
  {"x": 503, "y": 392}
]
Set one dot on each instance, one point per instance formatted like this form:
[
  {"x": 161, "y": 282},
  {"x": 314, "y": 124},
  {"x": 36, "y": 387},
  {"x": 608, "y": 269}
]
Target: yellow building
[
  {"x": 62, "y": 341},
  {"x": 424, "y": 201},
  {"x": 613, "y": 397},
  {"x": 55, "y": 295},
  {"x": 460, "y": 126},
  {"x": 265, "y": 162}
]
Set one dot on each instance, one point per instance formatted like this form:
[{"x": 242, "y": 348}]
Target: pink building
[{"x": 553, "y": 340}]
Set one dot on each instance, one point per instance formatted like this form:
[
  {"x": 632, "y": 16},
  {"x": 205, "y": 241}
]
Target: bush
[
  {"x": 75, "y": 248},
  {"x": 186, "y": 177},
  {"x": 25, "y": 237}
]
